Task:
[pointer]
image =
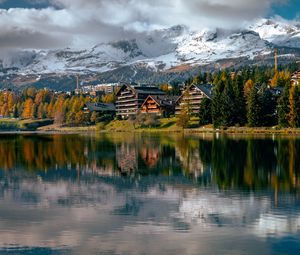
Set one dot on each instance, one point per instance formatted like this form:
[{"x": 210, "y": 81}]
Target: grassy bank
[
  {"x": 60, "y": 129},
  {"x": 245, "y": 130},
  {"x": 22, "y": 125},
  {"x": 167, "y": 125}
]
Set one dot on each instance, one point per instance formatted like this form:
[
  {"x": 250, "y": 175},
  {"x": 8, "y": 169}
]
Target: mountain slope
[{"x": 162, "y": 52}]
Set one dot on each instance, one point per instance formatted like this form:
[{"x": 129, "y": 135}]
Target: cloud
[{"x": 79, "y": 23}]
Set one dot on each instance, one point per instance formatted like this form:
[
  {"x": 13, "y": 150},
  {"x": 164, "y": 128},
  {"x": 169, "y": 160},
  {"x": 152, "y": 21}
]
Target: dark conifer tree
[
  {"x": 205, "y": 112},
  {"x": 283, "y": 107},
  {"x": 268, "y": 106},
  {"x": 217, "y": 103},
  {"x": 254, "y": 109},
  {"x": 228, "y": 105},
  {"x": 240, "y": 103}
]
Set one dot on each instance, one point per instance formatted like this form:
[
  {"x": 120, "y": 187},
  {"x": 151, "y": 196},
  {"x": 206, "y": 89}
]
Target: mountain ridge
[{"x": 162, "y": 52}]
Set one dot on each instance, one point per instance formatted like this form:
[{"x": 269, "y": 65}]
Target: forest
[
  {"x": 46, "y": 104},
  {"x": 254, "y": 97},
  {"x": 248, "y": 96}
]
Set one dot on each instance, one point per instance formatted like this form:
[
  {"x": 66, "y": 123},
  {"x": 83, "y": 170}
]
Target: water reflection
[
  {"x": 148, "y": 194},
  {"x": 227, "y": 163}
]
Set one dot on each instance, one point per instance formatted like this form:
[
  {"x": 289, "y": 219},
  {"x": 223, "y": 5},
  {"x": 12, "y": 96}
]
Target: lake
[{"x": 149, "y": 194}]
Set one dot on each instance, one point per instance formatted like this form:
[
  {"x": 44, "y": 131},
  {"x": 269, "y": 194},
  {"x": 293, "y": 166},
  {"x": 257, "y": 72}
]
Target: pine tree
[
  {"x": 16, "y": 112},
  {"x": 268, "y": 106},
  {"x": 205, "y": 112},
  {"x": 283, "y": 107},
  {"x": 254, "y": 109},
  {"x": 228, "y": 105},
  {"x": 217, "y": 103},
  {"x": 239, "y": 100},
  {"x": 292, "y": 113},
  {"x": 297, "y": 106}
]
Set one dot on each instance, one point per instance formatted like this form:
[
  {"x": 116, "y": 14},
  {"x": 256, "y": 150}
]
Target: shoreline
[{"x": 188, "y": 131}]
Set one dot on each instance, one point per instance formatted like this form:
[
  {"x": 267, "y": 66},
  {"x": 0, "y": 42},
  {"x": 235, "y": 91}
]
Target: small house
[{"x": 161, "y": 105}]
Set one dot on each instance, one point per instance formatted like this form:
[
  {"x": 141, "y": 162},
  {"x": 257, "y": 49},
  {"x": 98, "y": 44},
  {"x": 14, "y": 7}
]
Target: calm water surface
[{"x": 149, "y": 194}]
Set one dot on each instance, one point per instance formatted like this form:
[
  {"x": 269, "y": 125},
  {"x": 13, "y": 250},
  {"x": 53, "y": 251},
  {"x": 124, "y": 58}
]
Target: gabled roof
[
  {"x": 274, "y": 91},
  {"x": 205, "y": 88},
  {"x": 149, "y": 90},
  {"x": 101, "y": 107},
  {"x": 163, "y": 100}
]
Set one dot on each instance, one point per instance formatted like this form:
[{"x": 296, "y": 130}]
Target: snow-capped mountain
[
  {"x": 166, "y": 50},
  {"x": 278, "y": 31}
]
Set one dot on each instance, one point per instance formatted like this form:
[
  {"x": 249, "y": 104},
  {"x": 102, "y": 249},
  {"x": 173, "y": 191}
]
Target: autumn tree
[
  {"x": 27, "y": 111},
  {"x": 249, "y": 85}
]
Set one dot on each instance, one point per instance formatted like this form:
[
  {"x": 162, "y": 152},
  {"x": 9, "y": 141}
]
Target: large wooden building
[
  {"x": 295, "y": 78},
  {"x": 161, "y": 105},
  {"x": 191, "y": 98},
  {"x": 129, "y": 99}
]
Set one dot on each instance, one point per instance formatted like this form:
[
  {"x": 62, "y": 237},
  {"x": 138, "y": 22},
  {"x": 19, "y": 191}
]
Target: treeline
[
  {"x": 255, "y": 97},
  {"x": 46, "y": 104}
]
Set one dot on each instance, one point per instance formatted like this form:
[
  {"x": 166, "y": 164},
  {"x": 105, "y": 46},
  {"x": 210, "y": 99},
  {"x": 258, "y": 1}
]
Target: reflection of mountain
[
  {"x": 68, "y": 194},
  {"x": 111, "y": 214}
]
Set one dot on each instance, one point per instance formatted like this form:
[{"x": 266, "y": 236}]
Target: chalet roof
[
  {"x": 149, "y": 90},
  {"x": 206, "y": 89},
  {"x": 101, "y": 107},
  {"x": 164, "y": 100},
  {"x": 274, "y": 91}
]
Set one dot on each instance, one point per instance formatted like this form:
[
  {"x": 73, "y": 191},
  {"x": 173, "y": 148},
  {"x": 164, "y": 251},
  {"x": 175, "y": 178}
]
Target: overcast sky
[{"x": 46, "y": 24}]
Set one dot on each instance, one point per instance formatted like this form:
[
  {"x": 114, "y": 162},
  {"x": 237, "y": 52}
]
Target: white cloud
[{"x": 82, "y": 22}]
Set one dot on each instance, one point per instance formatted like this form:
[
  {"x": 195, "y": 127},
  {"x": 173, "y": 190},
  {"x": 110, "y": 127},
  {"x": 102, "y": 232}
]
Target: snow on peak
[{"x": 165, "y": 48}]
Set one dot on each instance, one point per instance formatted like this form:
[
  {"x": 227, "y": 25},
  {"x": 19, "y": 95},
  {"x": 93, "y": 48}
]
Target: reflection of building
[
  {"x": 160, "y": 105},
  {"x": 191, "y": 98},
  {"x": 150, "y": 156},
  {"x": 126, "y": 156},
  {"x": 130, "y": 99}
]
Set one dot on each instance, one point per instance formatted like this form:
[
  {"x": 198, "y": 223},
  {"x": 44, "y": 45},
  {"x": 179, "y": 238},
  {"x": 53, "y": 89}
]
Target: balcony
[{"x": 124, "y": 97}]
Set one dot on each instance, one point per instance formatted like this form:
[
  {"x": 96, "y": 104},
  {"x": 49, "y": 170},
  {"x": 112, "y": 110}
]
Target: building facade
[
  {"x": 129, "y": 99},
  {"x": 191, "y": 98},
  {"x": 161, "y": 105},
  {"x": 295, "y": 78}
]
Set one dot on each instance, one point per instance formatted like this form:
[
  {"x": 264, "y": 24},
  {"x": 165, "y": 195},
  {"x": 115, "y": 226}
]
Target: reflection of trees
[
  {"x": 255, "y": 163},
  {"x": 188, "y": 152},
  {"x": 229, "y": 163},
  {"x": 42, "y": 153},
  {"x": 228, "y": 159}
]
